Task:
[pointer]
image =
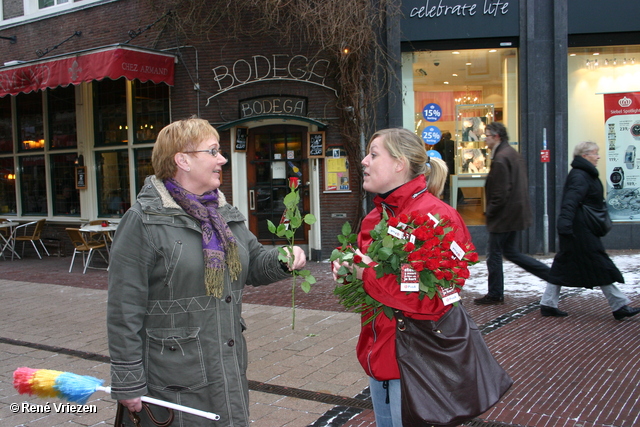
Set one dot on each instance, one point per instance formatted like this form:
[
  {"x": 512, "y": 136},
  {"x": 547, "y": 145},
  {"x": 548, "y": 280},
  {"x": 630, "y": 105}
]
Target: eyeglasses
[
  {"x": 489, "y": 134},
  {"x": 213, "y": 151}
]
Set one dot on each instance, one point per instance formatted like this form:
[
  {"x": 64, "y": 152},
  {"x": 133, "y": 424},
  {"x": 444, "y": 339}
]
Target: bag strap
[
  {"x": 400, "y": 324},
  {"x": 135, "y": 418}
]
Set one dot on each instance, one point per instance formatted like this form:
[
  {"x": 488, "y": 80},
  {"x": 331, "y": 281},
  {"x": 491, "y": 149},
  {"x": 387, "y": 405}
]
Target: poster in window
[
  {"x": 315, "y": 145},
  {"x": 622, "y": 133},
  {"x": 241, "y": 139},
  {"x": 336, "y": 171},
  {"x": 81, "y": 177}
]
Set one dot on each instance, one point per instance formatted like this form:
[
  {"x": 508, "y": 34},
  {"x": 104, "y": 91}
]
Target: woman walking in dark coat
[{"x": 582, "y": 260}]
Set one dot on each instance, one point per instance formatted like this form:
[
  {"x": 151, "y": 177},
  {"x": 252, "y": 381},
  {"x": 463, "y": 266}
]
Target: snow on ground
[{"x": 518, "y": 281}]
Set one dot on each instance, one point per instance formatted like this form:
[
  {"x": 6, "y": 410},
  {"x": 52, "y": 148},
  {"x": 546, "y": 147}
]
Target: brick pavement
[{"x": 583, "y": 370}]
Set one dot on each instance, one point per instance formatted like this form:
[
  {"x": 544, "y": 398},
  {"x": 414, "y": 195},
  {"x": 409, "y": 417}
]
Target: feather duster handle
[{"x": 78, "y": 388}]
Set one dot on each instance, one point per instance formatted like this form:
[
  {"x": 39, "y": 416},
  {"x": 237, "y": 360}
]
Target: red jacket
[{"x": 376, "y": 347}]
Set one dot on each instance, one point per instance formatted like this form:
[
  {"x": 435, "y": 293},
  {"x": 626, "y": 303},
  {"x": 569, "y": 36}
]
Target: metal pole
[{"x": 545, "y": 218}]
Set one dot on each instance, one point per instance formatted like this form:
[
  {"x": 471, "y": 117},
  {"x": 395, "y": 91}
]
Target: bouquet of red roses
[{"x": 419, "y": 249}]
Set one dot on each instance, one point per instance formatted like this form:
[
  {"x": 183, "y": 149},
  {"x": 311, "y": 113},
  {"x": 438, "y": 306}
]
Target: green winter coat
[{"x": 167, "y": 338}]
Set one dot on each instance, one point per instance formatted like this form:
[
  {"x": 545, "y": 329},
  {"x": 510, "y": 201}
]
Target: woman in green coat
[{"x": 179, "y": 262}]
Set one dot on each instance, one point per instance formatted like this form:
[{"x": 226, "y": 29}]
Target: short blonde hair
[
  {"x": 402, "y": 144},
  {"x": 179, "y": 136}
]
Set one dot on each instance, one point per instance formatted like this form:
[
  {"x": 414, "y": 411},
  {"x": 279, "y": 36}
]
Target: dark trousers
[{"x": 504, "y": 245}]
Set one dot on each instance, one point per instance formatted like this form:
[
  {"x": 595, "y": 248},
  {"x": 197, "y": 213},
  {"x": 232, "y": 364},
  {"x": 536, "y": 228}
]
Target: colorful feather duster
[{"x": 78, "y": 388}]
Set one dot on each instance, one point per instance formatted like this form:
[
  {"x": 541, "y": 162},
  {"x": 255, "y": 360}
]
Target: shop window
[
  {"x": 7, "y": 187},
  {"x": 143, "y": 166},
  {"x": 6, "y": 130},
  {"x": 447, "y": 92},
  {"x": 66, "y": 199},
  {"x": 42, "y": 4},
  {"x": 150, "y": 110},
  {"x": 604, "y": 107},
  {"x": 30, "y": 121},
  {"x": 110, "y": 112},
  {"x": 62, "y": 117},
  {"x": 21, "y": 10},
  {"x": 112, "y": 180},
  {"x": 33, "y": 189}
]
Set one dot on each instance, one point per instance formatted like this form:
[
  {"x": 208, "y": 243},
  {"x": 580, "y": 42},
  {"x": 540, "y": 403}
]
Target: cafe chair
[
  {"x": 33, "y": 237},
  {"x": 84, "y": 246}
]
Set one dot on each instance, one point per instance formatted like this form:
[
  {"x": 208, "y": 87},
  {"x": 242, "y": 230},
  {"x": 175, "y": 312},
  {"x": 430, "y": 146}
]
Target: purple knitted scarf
[{"x": 218, "y": 243}]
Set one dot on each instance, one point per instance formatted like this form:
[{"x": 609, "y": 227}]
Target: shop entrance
[{"x": 275, "y": 154}]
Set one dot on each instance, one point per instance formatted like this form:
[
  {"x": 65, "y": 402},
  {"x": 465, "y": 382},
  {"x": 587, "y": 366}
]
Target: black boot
[
  {"x": 545, "y": 310},
  {"x": 625, "y": 311},
  {"x": 489, "y": 300}
]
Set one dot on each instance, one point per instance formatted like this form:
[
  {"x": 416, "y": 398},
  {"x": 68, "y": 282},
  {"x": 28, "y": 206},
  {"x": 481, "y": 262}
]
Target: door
[{"x": 275, "y": 154}]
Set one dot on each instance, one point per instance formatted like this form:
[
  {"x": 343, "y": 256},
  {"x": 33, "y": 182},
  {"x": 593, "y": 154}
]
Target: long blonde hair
[{"x": 402, "y": 144}]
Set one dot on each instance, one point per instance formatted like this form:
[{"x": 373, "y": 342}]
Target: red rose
[
  {"x": 439, "y": 274},
  {"x": 393, "y": 221},
  {"x": 404, "y": 218},
  {"x": 357, "y": 259},
  {"x": 448, "y": 275},
  {"x": 462, "y": 272},
  {"x": 409, "y": 247},
  {"x": 472, "y": 257},
  {"x": 417, "y": 265},
  {"x": 432, "y": 264},
  {"x": 420, "y": 234}
]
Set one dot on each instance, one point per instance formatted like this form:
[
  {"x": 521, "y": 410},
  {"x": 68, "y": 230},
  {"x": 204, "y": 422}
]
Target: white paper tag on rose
[
  {"x": 448, "y": 295},
  {"x": 457, "y": 250},
  {"x": 434, "y": 219},
  {"x": 395, "y": 232},
  {"x": 409, "y": 279}
]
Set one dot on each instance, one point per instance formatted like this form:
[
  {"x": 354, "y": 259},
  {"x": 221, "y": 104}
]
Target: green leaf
[
  {"x": 346, "y": 229},
  {"x": 311, "y": 279},
  {"x": 335, "y": 254},
  {"x": 384, "y": 253},
  {"x": 309, "y": 219},
  {"x": 395, "y": 262},
  {"x": 387, "y": 241},
  {"x": 291, "y": 199},
  {"x": 272, "y": 227},
  {"x": 305, "y": 286},
  {"x": 296, "y": 222}
]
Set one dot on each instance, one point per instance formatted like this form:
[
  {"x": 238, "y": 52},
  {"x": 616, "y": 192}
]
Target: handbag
[
  {"x": 447, "y": 373},
  {"x": 135, "y": 418},
  {"x": 597, "y": 219}
]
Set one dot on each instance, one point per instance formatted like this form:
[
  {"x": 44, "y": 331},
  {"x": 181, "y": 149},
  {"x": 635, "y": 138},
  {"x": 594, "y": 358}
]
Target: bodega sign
[
  {"x": 285, "y": 105},
  {"x": 276, "y": 67}
]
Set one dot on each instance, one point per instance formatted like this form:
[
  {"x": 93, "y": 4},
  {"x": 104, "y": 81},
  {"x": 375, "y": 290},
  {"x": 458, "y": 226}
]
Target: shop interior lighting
[{"x": 608, "y": 62}]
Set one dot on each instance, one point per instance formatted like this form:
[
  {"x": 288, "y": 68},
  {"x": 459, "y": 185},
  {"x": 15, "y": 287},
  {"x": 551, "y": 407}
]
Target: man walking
[{"x": 508, "y": 212}]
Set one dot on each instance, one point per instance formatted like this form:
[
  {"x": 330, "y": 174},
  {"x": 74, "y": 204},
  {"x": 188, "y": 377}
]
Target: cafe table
[
  {"x": 9, "y": 242},
  {"x": 106, "y": 230}
]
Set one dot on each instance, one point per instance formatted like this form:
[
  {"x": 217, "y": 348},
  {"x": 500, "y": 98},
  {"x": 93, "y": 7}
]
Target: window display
[
  {"x": 457, "y": 93},
  {"x": 471, "y": 121}
]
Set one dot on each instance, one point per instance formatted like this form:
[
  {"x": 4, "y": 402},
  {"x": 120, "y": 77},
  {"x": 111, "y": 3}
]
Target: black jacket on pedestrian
[
  {"x": 507, "y": 191},
  {"x": 582, "y": 260}
]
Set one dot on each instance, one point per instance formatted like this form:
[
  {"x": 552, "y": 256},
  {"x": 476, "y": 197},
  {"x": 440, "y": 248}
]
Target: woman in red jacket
[{"x": 398, "y": 169}]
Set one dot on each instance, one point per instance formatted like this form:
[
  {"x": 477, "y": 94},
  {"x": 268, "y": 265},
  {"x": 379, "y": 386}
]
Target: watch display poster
[{"x": 622, "y": 136}]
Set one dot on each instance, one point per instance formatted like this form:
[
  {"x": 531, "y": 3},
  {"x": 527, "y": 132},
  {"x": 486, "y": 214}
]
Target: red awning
[{"x": 110, "y": 61}]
